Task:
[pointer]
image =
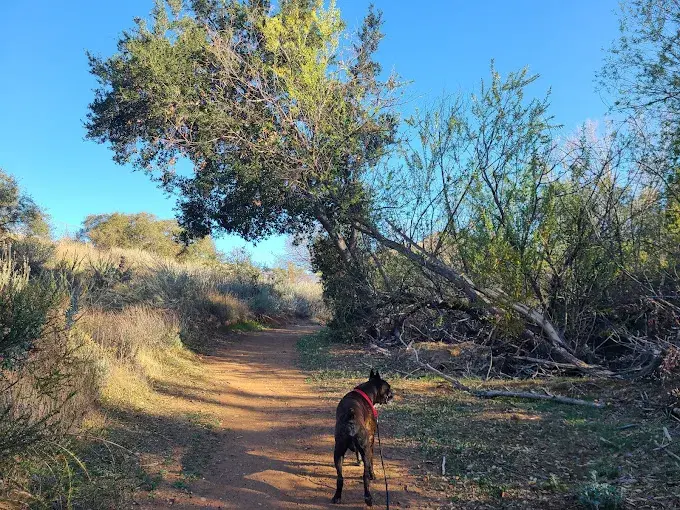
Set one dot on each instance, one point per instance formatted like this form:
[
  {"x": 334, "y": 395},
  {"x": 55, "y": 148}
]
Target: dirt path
[{"x": 272, "y": 447}]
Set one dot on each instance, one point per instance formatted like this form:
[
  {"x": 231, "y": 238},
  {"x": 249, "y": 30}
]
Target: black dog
[{"x": 356, "y": 421}]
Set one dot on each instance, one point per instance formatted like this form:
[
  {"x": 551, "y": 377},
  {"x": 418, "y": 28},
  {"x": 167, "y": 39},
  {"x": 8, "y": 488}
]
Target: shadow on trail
[{"x": 261, "y": 438}]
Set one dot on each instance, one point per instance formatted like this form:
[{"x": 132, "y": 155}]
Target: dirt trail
[{"x": 275, "y": 437}]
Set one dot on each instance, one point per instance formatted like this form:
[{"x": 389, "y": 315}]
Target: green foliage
[
  {"x": 643, "y": 69},
  {"x": 600, "y": 496},
  {"x": 314, "y": 350},
  {"x": 348, "y": 291},
  {"x": 27, "y": 308},
  {"x": 19, "y": 214},
  {"x": 286, "y": 140},
  {"x": 146, "y": 232},
  {"x": 643, "y": 73},
  {"x": 45, "y": 384}
]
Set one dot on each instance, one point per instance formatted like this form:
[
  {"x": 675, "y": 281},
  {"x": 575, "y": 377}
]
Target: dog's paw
[
  {"x": 336, "y": 500},
  {"x": 368, "y": 500}
]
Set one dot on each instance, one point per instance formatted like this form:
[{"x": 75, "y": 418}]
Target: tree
[
  {"x": 19, "y": 214},
  {"x": 144, "y": 231},
  {"x": 643, "y": 72},
  {"x": 643, "y": 69},
  {"x": 289, "y": 133},
  {"x": 280, "y": 130}
]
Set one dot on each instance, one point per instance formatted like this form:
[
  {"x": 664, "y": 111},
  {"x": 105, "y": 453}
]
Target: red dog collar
[{"x": 367, "y": 399}]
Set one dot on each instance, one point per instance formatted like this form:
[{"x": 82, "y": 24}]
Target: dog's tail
[{"x": 351, "y": 423}]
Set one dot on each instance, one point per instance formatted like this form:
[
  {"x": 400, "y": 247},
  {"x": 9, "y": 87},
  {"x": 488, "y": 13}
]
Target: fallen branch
[
  {"x": 554, "y": 364},
  {"x": 536, "y": 396},
  {"x": 497, "y": 393},
  {"x": 494, "y": 300}
]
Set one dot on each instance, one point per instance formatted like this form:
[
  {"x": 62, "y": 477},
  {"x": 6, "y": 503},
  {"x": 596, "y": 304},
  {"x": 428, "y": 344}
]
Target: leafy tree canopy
[
  {"x": 643, "y": 69},
  {"x": 279, "y": 119}
]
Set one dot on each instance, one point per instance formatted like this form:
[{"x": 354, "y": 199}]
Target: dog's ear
[
  {"x": 372, "y": 375},
  {"x": 377, "y": 374}
]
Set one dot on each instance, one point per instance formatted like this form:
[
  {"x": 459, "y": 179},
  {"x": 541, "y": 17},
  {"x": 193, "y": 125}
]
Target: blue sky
[{"x": 438, "y": 45}]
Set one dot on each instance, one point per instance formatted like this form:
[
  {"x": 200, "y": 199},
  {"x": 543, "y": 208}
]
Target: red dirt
[{"x": 275, "y": 437}]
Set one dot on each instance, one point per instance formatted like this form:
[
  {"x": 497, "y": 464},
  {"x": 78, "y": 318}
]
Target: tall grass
[{"x": 99, "y": 328}]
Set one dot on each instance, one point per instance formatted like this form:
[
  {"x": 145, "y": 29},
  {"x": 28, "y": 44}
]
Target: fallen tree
[{"x": 499, "y": 393}]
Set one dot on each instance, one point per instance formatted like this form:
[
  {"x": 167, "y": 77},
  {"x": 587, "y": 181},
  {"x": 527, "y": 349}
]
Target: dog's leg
[
  {"x": 365, "y": 456},
  {"x": 358, "y": 457},
  {"x": 338, "y": 457}
]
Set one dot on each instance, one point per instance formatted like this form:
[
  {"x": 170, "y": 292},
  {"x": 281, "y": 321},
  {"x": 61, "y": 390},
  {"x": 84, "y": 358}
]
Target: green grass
[
  {"x": 245, "y": 326},
  {"x": 314, "y": 351},
  {"x": 84, "y": 472}
]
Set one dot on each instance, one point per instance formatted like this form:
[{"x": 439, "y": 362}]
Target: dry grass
[
  {"x": 135, "y": 313},
  {"x": 133, "y": 348},
  {"x": 83, "y": 255},
  {"x": 121, "y": 335}
]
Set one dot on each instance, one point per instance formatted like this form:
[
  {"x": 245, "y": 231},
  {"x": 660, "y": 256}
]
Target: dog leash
[{"x": 387, "y": 492}]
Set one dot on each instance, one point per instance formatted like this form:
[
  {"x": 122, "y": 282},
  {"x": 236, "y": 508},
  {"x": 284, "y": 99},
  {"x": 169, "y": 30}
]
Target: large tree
[
  {"x": 643, "y": 74},
  {"x": 287, "y": 130},
  {"x": 279, "y": 121},
  {"x": 643, "y": 68}
]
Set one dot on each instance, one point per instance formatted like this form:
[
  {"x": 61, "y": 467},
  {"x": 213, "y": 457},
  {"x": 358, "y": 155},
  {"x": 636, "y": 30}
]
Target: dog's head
[{"x": 384, "y": 392}]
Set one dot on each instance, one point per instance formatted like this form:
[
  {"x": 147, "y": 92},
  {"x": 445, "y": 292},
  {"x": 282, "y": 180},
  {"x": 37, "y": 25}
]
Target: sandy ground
[{"x": 273, "y": 445}]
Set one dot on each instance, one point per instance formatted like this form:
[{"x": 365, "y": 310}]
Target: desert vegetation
[{"x": 473, "y": 240}]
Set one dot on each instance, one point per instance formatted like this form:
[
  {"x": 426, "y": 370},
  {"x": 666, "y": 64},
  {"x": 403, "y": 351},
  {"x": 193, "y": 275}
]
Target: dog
[{"x": 356, "y": 421}]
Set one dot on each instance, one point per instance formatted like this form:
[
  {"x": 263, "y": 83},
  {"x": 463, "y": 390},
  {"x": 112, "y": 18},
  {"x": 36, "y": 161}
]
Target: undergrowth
[{"x": 510, "y": 453}]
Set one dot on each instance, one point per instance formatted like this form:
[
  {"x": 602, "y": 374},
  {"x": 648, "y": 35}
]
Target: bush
[
  {"x": 45, "y": 396},
  {"x": 301, "y": 299},
  {"x": 27, "y": 307},
  {"x": 46, "y": 381},
  {"x": 600, "y": 496},
  {"x": 225, "y": 308},
  {"x": 34, "y": 251},
  {"x": 265, "y": 302}
]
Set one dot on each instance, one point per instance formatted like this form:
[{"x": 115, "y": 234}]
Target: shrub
[
  {"x": 225, "y": 308},
  {"x": 265, "y": 302},
  {"x": 34, "y": 251},
  {"x": 45, "y": 396},
  {"x": 27, "y": 306},
  {"x": 600, "y": 496},
  {"x": 47, "y": 382},
  {"x": 302, "y": 299}
]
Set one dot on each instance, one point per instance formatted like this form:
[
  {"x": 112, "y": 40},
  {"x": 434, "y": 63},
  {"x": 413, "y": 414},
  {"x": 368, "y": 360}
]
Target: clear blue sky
[{"x": 439, "y": 45}]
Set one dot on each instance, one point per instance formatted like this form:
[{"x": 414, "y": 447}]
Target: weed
[
  {"x": 595, "y": 495},
  {"x": 245, "y": 326},
  {"x": 181, "y": 485}
]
